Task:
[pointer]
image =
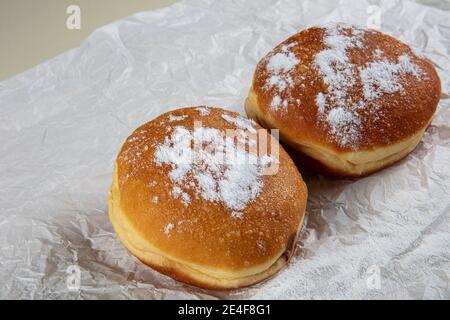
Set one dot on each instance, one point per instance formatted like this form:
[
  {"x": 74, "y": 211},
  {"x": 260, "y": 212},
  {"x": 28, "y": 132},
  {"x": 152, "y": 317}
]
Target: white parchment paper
[{"x": 63, "y": 122}]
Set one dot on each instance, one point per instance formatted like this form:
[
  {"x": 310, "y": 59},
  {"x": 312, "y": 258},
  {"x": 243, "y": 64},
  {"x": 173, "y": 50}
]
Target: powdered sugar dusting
[
  {"x": 321, "y": 102},
  {"x": 178, "y": 193},
  {"x": 240, "y": 122},
  {"x": 339, "y": 75},
  {"x": 344, "y": 124},
  {"x": 378, "y": 53},
  {"x": 385, "y": 77},
  {"x": 212, "y": 166},
  {"x": 338, "y": 107},
  {"x": 282, "y": 62},
  {"x": 176, "y": 118},
  {"x": 281, "y": 66},
  {"x": 276, "y": 102},
  {"x": 204, "y": 111},
  {"x": 167, "y": 228},
  {"x": 237, "y": 214}
]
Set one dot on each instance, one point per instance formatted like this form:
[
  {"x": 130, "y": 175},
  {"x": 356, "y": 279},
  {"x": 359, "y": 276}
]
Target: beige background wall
[{"x": 32, "y": 31}]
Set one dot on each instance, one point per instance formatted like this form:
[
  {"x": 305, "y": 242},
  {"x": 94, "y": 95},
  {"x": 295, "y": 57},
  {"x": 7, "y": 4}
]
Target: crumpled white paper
[{"x": 63, "y": 122}]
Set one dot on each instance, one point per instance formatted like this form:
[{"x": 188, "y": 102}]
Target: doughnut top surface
[
  {"x": 346, "y": 88},
  {"x": 180, "y": 191}
]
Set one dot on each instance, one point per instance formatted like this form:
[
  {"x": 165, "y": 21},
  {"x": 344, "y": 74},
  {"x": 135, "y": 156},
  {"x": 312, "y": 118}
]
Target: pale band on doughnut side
[
  {"x": 183, "y": 270},
  {"x": 347, "y": 163}
]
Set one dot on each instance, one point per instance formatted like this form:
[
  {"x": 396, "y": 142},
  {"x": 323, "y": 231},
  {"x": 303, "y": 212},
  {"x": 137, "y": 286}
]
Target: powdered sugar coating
[
  {"x": 237, "y": 214},
  {"x": 229, "y": 175},
  {"x": 240, "y": 122},
  {"x": 176, "y": 118},
  {"x": 333, "y": 64},
  {"x": 338, "y": 108},
  {"x": 344, "y": 124},
  {"x": 381, "y": 77},
  {"x": 282, "y": 62},
  {"x": 321, "y": 102},
  {"x": 204, "y": 111},
  {"x": 168, "y": 228},
  {"x": 281, "y": 66}
]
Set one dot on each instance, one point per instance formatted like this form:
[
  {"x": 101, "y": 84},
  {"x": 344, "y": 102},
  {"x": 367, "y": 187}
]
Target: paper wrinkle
[{"x": 63, "y": 122}]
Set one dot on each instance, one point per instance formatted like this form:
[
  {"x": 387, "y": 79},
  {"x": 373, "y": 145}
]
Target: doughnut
[
  {"x": 349, "y": 100},
  {"x": 207, "y": 197}
]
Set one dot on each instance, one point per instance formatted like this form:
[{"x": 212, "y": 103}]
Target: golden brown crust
[
  {"x": 204, "y": 237},
  {"x": 180, "y": 271},
  {"x": 403, "y": 114}
]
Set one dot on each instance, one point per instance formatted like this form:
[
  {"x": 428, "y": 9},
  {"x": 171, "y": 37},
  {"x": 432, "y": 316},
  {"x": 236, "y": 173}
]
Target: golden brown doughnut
[
  {"x": 186, "y": 211},
  {"x": 352, "y": 100}
]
